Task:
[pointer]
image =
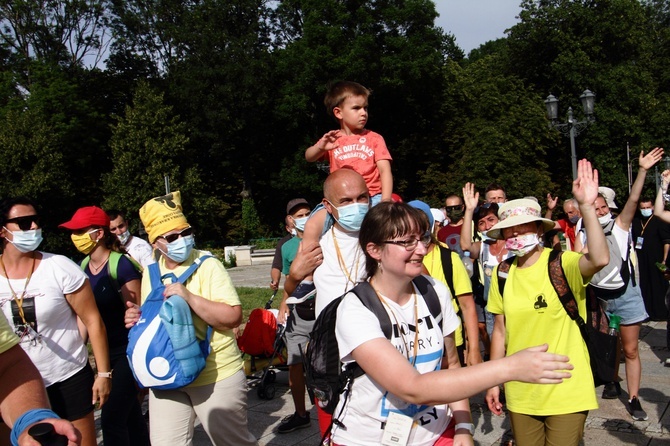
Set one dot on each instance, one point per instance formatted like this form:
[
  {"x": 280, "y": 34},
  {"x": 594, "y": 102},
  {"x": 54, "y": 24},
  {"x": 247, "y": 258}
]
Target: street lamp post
[{"x": 572, "y": 127}]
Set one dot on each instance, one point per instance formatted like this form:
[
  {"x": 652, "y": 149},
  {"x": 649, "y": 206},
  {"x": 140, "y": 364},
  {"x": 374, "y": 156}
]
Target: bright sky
[{"x": 474, "y": 22}]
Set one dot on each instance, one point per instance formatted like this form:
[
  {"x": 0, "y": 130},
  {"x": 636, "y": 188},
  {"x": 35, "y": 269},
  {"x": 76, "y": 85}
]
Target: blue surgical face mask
[
  {"x": 123, "y": 237},
  {"x": 351, "y": 216},
  {"x": 180, "y": 249},
  {"x": 646, "y": 213},
  {"x": 299, "y": 223},
  {"x": 26, "y": 241}
]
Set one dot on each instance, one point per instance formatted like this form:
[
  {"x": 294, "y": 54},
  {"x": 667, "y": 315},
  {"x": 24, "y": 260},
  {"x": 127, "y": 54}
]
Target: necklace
[
  {"x": 19, "y": 300},
  {"x": 498, "y": 255},
  {"x": 94, "y": 269},
  {"x": 415, "y": 346}
]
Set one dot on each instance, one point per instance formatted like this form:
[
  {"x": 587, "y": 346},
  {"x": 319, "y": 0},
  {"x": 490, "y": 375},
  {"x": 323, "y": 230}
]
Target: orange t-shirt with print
[{"x": 361, "y": 153}]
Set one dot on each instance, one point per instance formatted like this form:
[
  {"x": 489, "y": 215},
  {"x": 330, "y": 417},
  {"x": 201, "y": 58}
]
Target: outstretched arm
[
  {"x": 585, "y": 191},
  {"x": 327, "y": 142},
  {"x": 388, "y": 367},
  {"x": 647, "y": 161}
]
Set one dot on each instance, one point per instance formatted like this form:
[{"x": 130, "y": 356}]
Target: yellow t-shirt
[
  {"x": 8, "y": 338},
  {"x": 211, "y": 281},
  {"x": 534, "y": 315},
  {"x": 462, "y": 285}
]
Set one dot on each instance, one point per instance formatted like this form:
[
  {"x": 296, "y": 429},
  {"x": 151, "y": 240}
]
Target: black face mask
[{"x": 455, "y": 214}]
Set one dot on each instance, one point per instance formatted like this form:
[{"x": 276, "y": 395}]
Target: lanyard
[
  {"x": 402, "y": 336},
  {"x": 644, "y": 225},
  {"x": 19, "y": 300},
  {"x": 343, "y": 265}
]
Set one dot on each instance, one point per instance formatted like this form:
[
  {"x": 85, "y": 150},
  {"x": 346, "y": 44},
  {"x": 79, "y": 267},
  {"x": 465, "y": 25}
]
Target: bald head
[{"x": 343, "y": 183}]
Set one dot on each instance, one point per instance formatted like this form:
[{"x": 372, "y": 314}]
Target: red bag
[{"x": 258, "y": 337}]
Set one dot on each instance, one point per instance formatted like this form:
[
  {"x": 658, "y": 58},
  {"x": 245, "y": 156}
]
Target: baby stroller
[{"x": 263, "y": 341}]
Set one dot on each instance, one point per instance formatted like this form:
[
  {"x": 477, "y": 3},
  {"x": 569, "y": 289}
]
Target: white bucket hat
[{"x": 518, "y": 212}]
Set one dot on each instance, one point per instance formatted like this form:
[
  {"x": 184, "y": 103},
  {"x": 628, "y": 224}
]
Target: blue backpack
[{"x": 163, "y": 350}]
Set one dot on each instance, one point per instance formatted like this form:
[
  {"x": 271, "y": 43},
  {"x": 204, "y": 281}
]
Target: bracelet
[
  {"x": 26, "y": 419},
  {"x": 467, "y": 426}
]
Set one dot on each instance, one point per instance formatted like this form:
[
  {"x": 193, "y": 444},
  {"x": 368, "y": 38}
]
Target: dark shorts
[{"x": 71, "y": 399}]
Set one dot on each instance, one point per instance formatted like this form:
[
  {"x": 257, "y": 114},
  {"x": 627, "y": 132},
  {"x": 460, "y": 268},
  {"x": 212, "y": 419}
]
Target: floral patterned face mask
[{"x": 522, "y": 244}]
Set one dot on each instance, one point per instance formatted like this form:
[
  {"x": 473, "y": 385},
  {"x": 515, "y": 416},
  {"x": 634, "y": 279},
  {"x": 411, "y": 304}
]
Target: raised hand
[
  {"x": 329, "y": 141},
  {"x": 647, "y": 161},
  {"x": 665, "y": 179},
  {"x": 470, "y": 196},
  {"x": 551, "y": 202},
  {"x": 585, "y": 187}
]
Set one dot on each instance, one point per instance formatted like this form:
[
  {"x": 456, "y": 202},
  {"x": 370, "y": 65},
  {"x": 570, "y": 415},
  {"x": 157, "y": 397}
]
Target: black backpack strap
[
  {"x": 447, "y": 268},
  {"x": 430, "y": 297},
  {"x": 560, "y": 283},
  {"x": 369, "y": 298},
  {"x": 502, "y": 272}
]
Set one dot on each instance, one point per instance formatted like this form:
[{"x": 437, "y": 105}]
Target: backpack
[
  {"x": 611, "y": 281},
  {"x": 447, "y": 267},
  {"x": 603, "y": 348},
  {"x": 258, "y": 337},
  {"x": 326, "y": 378},
  {"x": 163, "y": 351},
  {"x": 113, "y": 267}
]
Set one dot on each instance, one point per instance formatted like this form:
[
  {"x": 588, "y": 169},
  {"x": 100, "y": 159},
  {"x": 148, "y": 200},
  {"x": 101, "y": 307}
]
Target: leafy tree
[{"x": 147, "y": 144}]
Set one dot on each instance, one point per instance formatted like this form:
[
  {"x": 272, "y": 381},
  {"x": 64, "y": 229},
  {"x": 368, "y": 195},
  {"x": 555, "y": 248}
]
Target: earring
[{"x": 380, "y": 267}]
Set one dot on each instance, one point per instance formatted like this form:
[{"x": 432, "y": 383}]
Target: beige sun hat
[
  {"x": 609, "y": 195},
  {"x": 518, "y": 212}
]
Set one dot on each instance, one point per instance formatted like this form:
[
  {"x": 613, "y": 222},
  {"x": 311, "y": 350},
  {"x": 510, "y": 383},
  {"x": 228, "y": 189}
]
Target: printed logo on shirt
[
  {"x": 540, "y": 303},
  {"x": 353, "y": 151}
]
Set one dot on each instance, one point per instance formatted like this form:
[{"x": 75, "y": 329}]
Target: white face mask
[
  {"x": 605, "y": 219},
  {"x": 26, "y": 241},
  {"x": 522, "y": 244},
  {"x": 646, "y": 213},
  {"x": 123, "y": 237}
]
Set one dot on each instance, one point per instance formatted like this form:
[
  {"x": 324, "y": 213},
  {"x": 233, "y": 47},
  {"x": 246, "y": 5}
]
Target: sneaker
[
  {"x": 635, "y": 410},
  {"x": 667, "y": 362},
  {"x": 611, "y": 391},
  {"x": 305, "y": 290},
  {"x": 293, "y": 422}
]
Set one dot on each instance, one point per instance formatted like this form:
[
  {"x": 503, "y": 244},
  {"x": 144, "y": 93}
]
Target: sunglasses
[
  {"x": 486, "y": 205},
  {"x": 25, "y": 223},
  {"x": 172, "y": 237},
  {"x": 454, "y": 208}
]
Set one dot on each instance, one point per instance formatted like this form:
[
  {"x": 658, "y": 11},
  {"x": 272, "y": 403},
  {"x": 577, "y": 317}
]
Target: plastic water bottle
[
  {"x": 45, "y": 434},
  {"x": 467, "y": 261},
  {"x": 613, "y": 329}
]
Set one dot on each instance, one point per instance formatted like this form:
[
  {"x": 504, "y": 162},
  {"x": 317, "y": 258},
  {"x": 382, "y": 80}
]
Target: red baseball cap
[{"x": 85, "y": 217}]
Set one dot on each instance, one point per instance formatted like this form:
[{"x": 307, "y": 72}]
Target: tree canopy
[{"x": 101, "y": 100}]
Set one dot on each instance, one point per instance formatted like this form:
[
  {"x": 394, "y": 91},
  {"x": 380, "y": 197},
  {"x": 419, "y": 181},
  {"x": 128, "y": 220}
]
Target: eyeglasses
[
  {"x": 454, "y": 208},
  {"x": 411, "y": 244},
  {"x": 172, "y": 237},
  {"x": 25, "y": 222}
]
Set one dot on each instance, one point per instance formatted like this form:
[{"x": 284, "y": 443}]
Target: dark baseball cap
[{"x": 290, "y": 207}]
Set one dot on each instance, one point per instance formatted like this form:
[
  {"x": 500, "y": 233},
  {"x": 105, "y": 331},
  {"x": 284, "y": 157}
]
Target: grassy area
[{"x": 255, "y": 298}]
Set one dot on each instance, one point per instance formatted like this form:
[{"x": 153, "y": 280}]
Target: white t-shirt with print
[
  {"x": 369, "y": 405},
  {"x": 140, "y": 250},
  {"x": 57, "y": 349},
  {"x": 339, "y": 272}
]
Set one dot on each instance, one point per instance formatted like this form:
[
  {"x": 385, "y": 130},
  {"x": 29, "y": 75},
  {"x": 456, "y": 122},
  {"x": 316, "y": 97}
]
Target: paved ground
[{"x": 609, "y": 425}]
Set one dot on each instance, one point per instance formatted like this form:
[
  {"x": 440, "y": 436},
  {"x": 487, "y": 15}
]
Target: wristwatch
[
  {"x": 105, "y": 374},
  {"x": 469, "y": 426}
]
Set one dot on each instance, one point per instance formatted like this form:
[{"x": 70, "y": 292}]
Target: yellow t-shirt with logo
[
  {"x": 211, "y": 281},
  {"x": 534, "y": 315},
  {"x": 462, "y": 285}
]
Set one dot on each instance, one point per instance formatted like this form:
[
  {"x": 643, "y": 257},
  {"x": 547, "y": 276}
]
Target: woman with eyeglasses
[
  {"x": 218, "y": 396},
  {"x": 42, "y": 295},
  {"x": 115, "y": 280},
  {"x": 403, "y": 392}
]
